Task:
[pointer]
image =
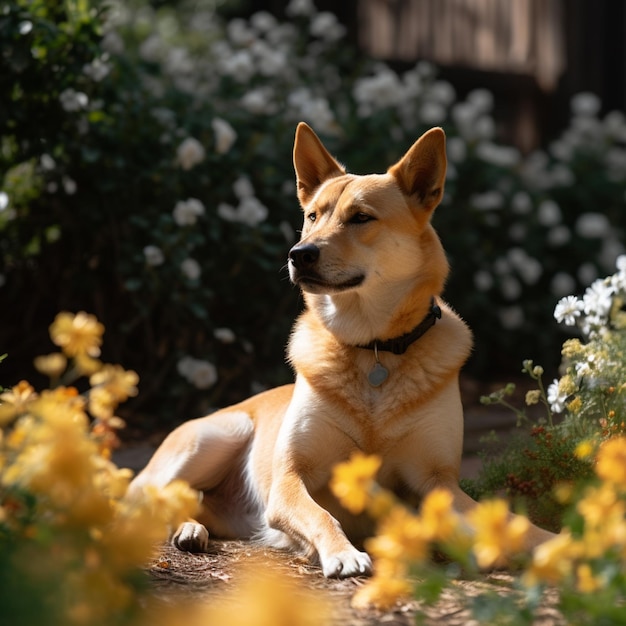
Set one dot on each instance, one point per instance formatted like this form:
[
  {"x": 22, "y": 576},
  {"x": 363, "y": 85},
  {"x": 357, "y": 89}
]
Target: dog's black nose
[{"x": 304, "y": 255}]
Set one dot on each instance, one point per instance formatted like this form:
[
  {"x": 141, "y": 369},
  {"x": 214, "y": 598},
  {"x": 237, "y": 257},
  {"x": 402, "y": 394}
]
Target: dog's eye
[
  {"x": 360, "y": 218},
  {"x": 311, "y": 217}
]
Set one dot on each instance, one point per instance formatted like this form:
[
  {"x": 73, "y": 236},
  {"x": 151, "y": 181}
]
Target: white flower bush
[
  {"x": 595, "y": 360},
  {"x": 166, "y": 183}
]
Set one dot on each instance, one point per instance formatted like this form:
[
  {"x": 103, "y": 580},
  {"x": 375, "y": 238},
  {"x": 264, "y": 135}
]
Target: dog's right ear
[{"x": 312, "y": 162}]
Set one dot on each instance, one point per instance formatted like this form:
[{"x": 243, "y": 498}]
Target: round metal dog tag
[{"x": 378, "y": 375}]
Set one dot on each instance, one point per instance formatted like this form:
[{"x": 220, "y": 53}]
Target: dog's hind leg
[{"x": 202, "y": 452}]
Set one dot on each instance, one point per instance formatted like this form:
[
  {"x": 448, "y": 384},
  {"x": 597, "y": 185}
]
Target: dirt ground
[{"x": 178, "y": 575}]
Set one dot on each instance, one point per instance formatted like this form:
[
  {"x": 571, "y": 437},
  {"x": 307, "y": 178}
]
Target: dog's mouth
[{"x": 313, "y": 283}]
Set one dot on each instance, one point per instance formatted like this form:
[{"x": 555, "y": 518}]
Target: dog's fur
[{"x": 368, "y": 263}]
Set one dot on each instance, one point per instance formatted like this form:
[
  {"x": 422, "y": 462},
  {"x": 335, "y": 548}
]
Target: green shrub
[
  {"x": 585, "y": 406},
  {"x": 148, "y": 179}
]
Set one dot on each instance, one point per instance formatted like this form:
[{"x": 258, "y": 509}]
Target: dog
[{"x": 377, "y": 355}]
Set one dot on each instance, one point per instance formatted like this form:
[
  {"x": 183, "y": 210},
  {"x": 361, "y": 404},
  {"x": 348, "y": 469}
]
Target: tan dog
[{"x": 376, "y": 371}]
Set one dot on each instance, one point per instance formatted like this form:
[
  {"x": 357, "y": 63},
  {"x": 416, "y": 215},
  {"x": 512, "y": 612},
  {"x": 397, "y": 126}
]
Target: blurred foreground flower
[
  {"x": 77, "y": 335},
  {"x": 63, "y": 504}
]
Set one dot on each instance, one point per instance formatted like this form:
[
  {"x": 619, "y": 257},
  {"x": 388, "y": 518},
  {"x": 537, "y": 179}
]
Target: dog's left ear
[
  {"x": 421, "y": 172},
  {"x": 312, "y": 162}
]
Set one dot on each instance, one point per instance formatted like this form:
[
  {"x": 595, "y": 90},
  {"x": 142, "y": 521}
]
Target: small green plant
[{"x": 587, "y": 403}]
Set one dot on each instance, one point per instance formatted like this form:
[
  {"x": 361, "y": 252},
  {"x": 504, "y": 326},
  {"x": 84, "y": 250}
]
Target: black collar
[{"x": 399, "y": 345}]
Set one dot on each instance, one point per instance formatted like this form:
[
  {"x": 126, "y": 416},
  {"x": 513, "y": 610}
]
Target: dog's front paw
[
  {"x": 347, "y": 563},
  {"x": 191, "y": 537}
]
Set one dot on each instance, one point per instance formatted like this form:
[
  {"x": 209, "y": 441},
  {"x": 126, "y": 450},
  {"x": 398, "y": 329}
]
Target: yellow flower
[
  {"x": 499, "y": 535},
  {"x": 265, "y": 596},
  {"x": 440, "y": 521},
  {"x": 571, "y": 348},
  {"x": 352, "y": 480},
  {"x": 552, "y": 560},
  {"x": 51, "y": 365},
  {"x": 79, "y": 334},
  {"x": 611, "y": 461},
  {"x": 102, "y": 404},
  {"x": 389, "y": 585},
  {"x": 575, "y": 405},
  {"x": 567, "y": 386},
  {"x": 120, "y": 383},
  {"x": 533, "y": 396},
  {"x": 16, "y": 401},
  {"x": 86, "y": 365},
  {"x": 584, "y": 449},
  {"x": 400, "y": 537},
  {"x": 604, "y": 514},
  {"x": 586, "y": 582}
]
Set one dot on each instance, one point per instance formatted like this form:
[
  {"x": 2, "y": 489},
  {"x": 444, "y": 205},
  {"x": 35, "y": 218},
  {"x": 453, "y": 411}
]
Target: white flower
[
  {"x": 186, "y": 212},
  {"x": 487, "y": 201},
  {"x": 562, "y": 176},
  {"x": 239, "y": 65},
  {"x": 585, "y": 104},
  {"x": 243, "y": 188},
  {"x": 240, "y": 33},
  {"x": 597, "y": 299},
  {"x": 270, "y": 61},
  {"x": 227, "y": 212},
  {"x": 189, "y": 153},
  {"x": 381, "y": 91},
  {"x": 72, "y": 100},
  {"x": 501, "y": 156},
  {"x": 594, "y": 225},
  {"x": 97, "y": 69},
  {"x": 483, "y": 280},
  {"x": 191, "y": 269},
  {"x": 225, "y": 135},
  {"x": 225, "y": 335},
  {"x": 259, "y": 101},
  {"x": 69, "y": 185},
  {"x": 300, "y": 7},
  {"x": 199, "y": 373},
  {"x": 549, "y": 213},
  {"x": 318, "y": 113},
  {"x": 456, "y": 149},
  {"x": 481, "y": 100},
  {"x": 432, "y": 113},
  {"x": 47, "y": 162},
  {"x": 556, "y": 398},
  {"x": 154, "y": 255},
  {"x": 263, "y": 21},
  {"x": 185, "y": 366},
  {"x": 442, "y": 92},
  {"x": 567, "y": 310},
  {"x": 113, "y": 43},
  {"x": 251, "y": 211},
  {"x": 559, "y": 235},
  {"x": 325, "y": 25},
  {"x": 204, "y": 375},
  {"x": 4, "y": 200},
  {"x": 151, "y": 49}
]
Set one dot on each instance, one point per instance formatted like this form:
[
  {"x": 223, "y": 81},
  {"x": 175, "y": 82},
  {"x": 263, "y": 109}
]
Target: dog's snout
[{"x": 304, "y": 255}]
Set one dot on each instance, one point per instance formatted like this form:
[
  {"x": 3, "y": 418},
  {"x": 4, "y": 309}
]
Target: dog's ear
[
  {"x": 421, "y": 172},
  {"x": 312, "y": 162}
]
